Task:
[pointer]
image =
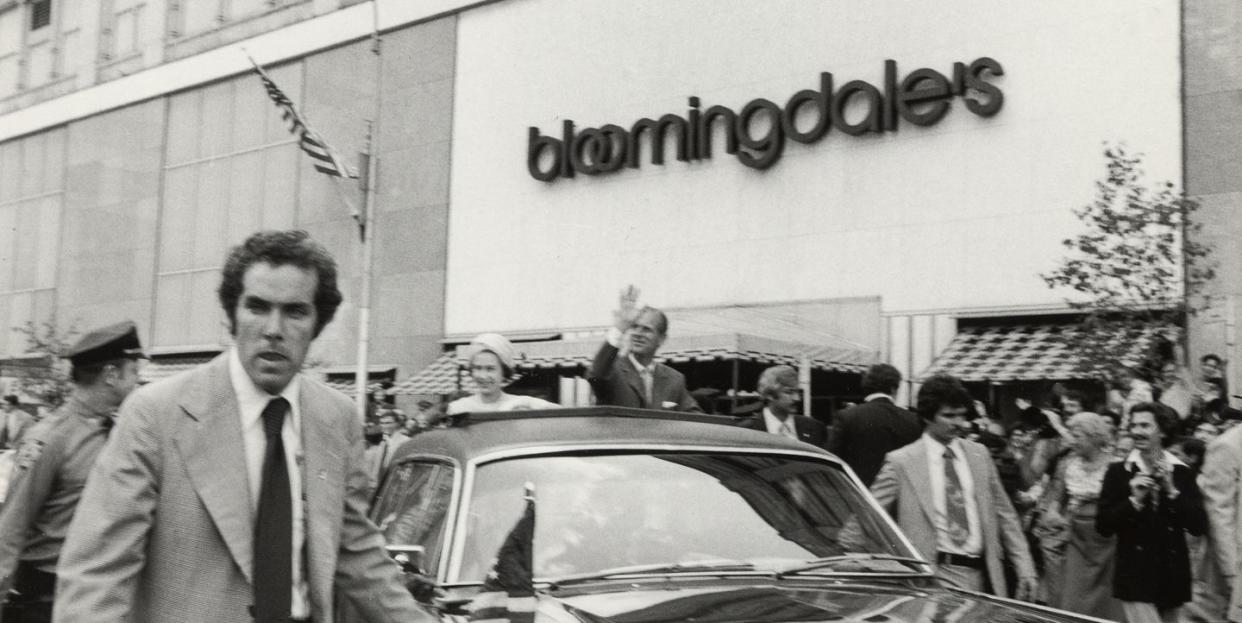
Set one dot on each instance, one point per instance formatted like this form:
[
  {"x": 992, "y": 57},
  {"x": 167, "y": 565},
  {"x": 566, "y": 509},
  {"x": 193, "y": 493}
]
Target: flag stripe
[{"x": 308, "y": 140}]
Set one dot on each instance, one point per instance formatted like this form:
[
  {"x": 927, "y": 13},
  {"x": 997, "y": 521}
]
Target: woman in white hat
[{"x": 492, "y": 360}]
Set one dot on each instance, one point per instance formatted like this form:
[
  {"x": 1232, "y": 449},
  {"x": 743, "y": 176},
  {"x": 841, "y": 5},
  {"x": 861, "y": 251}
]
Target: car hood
[{"x": 756, "y": 604}]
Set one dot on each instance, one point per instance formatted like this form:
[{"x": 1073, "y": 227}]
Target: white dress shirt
[
  {"x": 250, "y": 404},
  {"x": 777, "y": 427},
  {"x": 935, "y": 466}
]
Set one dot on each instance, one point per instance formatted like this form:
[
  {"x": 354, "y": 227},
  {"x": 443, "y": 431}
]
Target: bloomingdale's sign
[{"x": 922, "y": 98}]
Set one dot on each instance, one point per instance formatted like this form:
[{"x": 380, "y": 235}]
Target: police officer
[{"x": 51, "y": 466}]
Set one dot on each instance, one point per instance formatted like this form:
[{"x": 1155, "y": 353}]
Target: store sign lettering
[{"x": 922, "y": 97}]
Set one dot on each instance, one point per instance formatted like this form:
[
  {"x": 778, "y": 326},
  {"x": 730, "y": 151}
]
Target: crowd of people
[{"x": 238, "y": 491}]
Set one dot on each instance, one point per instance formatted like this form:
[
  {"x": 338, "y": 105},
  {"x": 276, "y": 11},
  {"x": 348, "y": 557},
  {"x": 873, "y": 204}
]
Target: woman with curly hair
[{"x": 1083, "y": 579}]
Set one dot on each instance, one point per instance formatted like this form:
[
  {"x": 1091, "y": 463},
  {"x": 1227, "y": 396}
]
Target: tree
[
  {"x": 49, "y": 378},
  {"x": 1137, "y": 268}
]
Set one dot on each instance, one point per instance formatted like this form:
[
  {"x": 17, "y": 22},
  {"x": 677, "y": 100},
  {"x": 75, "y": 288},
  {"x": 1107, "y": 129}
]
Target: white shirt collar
[
  {"x": 640, "y": 367},
  {"x": 251, "y": 398},
  {"x": 774, "y": 423},
  {"x": 934, "y": 445},
  {"x": 1136, "y": 459},
  {"x": 877, "y": 396}
]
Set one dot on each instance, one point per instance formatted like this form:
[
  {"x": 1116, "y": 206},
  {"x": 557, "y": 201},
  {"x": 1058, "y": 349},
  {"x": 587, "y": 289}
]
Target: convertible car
[{"x": 618, "y": 515}]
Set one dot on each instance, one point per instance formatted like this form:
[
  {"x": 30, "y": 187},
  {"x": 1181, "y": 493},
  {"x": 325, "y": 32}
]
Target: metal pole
[
  {"x": 368, "y": 217},
  {"x": 734, "y": 381},
  {"x": 804, "y": 379}
]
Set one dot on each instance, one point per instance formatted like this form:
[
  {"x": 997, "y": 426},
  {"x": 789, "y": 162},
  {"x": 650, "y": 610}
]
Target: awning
[
  {"x": 341, "y": 378},
  {"x": 163, "y": 366},
  {"x": 446, "y": 374},
  {"x": 1027, "y": 352},
  {"x": 688, "y": 348},
  {"x": 438, "y": 378}
]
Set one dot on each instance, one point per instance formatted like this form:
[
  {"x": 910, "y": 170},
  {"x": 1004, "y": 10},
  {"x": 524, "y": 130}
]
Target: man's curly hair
[
  {"x": 941, "y": 390},
  {"x": 278, "y": 248}
]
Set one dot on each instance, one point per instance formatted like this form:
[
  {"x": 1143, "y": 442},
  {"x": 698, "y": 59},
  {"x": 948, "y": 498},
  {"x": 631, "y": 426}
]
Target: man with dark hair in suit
[
  {"x": 864, "y": 433},
  {"x": 625, "y": 373},
  {"x": 945, "y": 494},
  {"x": 778, "y": 386},
  {"x": 236, "y": 491}
]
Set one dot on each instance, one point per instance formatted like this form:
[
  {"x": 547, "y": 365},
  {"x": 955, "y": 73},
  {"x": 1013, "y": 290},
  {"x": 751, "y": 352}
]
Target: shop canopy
[
  {"x": 447, "y": 374},
  {"x": 164, "y": 365},
  {"x": 1026, "y": 352}
]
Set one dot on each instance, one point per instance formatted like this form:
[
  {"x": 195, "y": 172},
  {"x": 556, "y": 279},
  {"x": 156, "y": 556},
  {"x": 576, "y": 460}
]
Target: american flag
[
  {"x": 508, "y": 594},
  {"x": 326, "y": 161}
]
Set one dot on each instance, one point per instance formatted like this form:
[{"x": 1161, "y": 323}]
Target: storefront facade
[{"x": 922, "y": 169}]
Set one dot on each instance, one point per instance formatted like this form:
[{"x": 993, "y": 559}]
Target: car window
[
  {"x": 413, "y": 504},
  {"x": 603, "y": 511}
]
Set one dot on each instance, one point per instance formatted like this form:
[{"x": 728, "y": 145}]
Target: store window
[
  {"x": 40, "y": 14},
  {"x": 125, "y": 33},
  {"x": 10, "y": 49}
]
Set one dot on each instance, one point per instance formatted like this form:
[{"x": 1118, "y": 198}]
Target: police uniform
[{"x": 49, "y": 473}]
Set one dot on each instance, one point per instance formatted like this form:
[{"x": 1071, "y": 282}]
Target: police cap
[{"x": 118, "y": 341}]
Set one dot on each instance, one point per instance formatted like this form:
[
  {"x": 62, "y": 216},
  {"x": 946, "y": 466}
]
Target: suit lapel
[
  {"x": 323, "y": 486},
  {"x": 210, "y": 443},
  {"x": 920, "y": 478},
  {"x": 633, "y": 379}
]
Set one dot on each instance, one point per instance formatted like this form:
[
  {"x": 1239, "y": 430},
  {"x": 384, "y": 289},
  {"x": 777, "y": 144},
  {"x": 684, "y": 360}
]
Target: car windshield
[{"x": 599, "y": 512}]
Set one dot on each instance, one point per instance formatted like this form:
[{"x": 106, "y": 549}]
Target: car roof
[{"x": 472, "y": 435}]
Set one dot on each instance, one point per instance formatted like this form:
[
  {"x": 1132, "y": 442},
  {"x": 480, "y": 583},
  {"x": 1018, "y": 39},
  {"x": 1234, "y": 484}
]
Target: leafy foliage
[
  {"x": 50, "y": 380},
  {"x": 1137, "y": 269}
]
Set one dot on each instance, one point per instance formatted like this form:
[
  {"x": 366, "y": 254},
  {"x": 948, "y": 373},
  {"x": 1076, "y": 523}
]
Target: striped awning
[
  {"x": 440, "y": 377},
  {"x": 341, "y": 378},
  {"x": 163, "y": 366},
  {"x": 447, "y": 373},
  {"x": 1027, "y": 352}
]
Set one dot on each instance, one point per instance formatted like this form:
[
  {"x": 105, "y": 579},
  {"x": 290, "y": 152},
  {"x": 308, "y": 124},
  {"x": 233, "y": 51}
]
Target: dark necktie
[
  {"x": 954, "y": 503},
  {"x": 273, "y": 529}
]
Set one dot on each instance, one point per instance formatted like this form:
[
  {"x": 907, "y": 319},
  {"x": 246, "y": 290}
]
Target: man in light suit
[
  {"x": 1221, "y": 483},
  {"x": 863, "y": 434},
  {"x": 946, "y": 496},
  {"x": 778, "y": 386},
  {"x": 235, "y": 492},
  {"x": 625, "y": 373}
]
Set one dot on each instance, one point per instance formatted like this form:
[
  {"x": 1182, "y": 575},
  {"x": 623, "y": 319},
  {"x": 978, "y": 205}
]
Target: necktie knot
[
  {"x": 274, "y": 416},
  {"x": 948, "y": 454}
]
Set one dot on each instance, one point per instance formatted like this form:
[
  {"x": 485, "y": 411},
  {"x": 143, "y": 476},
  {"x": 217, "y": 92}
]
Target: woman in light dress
[
  {"x": 492, "y": 360},
  {"x": 1085, "y": 572}
]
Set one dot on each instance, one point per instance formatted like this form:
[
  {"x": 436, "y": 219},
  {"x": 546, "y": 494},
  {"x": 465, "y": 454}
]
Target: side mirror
[{"x": 410, "y": 557}]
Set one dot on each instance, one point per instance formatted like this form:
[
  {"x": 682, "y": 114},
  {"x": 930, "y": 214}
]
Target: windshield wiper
[
  {"x": 662, "y": 568},
  {"x": 856, "y": 559}
]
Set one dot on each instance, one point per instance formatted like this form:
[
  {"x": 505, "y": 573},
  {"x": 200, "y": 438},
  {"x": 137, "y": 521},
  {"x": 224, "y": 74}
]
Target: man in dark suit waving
[
  {"x": 778, "y": 386},
  {"x": 625, "y": 373},
  {"x": 864, "y": 433}
]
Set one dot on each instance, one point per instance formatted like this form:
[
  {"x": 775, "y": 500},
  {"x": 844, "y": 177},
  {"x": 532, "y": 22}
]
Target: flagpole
[{"x": 371, "y": 177}]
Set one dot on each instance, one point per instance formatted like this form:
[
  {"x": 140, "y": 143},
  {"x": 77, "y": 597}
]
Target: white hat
[{"x": 493, "y": 343}]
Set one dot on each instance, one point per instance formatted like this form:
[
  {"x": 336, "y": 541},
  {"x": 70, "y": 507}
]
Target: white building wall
[{"x": 964, "y": 214}]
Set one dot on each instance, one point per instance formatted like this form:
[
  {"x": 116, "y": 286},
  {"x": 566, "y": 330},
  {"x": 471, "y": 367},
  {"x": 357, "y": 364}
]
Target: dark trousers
[{"x": 32, "y": 600}]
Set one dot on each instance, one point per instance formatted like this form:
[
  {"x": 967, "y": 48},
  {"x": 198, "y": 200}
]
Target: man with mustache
[
  {"x": 236, "y": 492},
  {"x": 625, "y": 373},
  {"x": 1150, "y": 500}
]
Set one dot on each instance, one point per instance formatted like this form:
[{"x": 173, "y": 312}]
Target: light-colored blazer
[
  {"x": 1221, "y": 483},
  {"x": 903, "y": 488},
  {"x": 164, "y": 531}
]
